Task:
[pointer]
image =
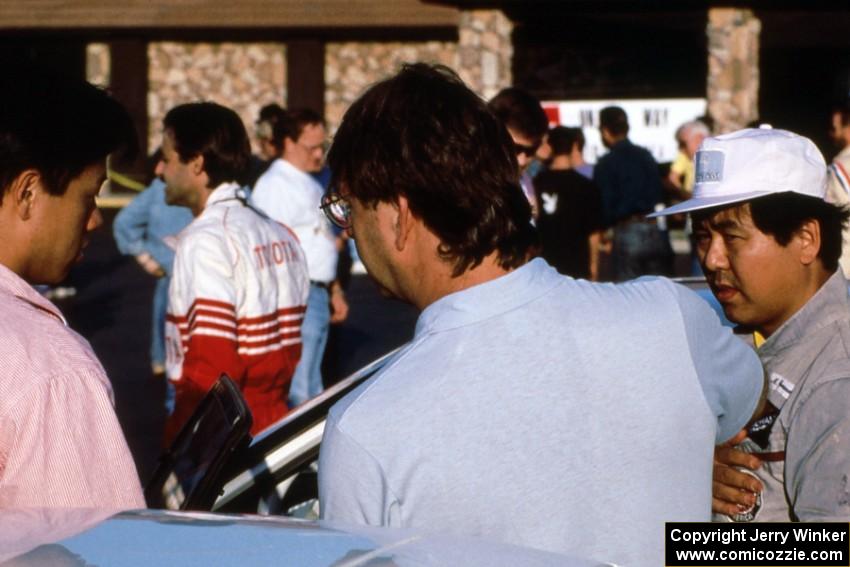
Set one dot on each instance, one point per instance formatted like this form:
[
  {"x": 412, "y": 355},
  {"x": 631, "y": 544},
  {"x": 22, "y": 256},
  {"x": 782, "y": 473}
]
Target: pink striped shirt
[{"x": 60, "y": 441}]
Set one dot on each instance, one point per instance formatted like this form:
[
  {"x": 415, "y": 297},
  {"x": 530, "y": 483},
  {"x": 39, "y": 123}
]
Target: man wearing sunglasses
[
  {"x": 529, "y": 407},
  {"x": 630, "y": 187},
  {"x": 527, "y": 124}
]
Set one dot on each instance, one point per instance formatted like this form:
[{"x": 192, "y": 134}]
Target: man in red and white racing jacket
[{"x": 240, "y": 283}]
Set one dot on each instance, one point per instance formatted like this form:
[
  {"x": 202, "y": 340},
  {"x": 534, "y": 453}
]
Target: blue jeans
[
  {"x": 160, "y": 306},
  {"x": 641, "y": 248},
  {"x": 307, "y": 380}
]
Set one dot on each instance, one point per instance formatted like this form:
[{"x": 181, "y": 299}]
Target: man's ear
[
  {"x": 808, "y": 236},
  {"x": 21, "y": 195},
  {"x": 403, "y": 223},
  {"x": 197, "y": 164}
]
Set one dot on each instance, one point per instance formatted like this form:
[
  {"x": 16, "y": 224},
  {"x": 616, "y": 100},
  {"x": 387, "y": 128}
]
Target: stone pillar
[
  {"x": 485, "y": 51},
  {"x": 733, "y": 68},
  {"x": 98, "y": 64},
  {"x": 242, "y": 76}
]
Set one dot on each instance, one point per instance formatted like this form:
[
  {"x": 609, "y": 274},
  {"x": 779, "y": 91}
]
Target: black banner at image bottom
[{"x": 813, "y": 544}]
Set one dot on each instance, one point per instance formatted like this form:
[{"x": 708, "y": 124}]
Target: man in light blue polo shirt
[{"x": 529, "y": 407}]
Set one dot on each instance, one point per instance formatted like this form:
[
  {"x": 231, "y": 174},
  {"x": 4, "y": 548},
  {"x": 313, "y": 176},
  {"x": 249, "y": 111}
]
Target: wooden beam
[
  {"x": 159, "y": 14},
  {"x": 129, "y": 85},
  {"x": 305, "y": 74}
]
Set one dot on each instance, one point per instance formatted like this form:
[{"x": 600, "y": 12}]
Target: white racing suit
[{"x": 235, "y": 306}]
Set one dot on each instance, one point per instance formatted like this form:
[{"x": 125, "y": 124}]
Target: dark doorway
[
  {"x": 63, "y": 55},
  {"x": 805, "y": 69},
  {"x": 563, "y": 52}
]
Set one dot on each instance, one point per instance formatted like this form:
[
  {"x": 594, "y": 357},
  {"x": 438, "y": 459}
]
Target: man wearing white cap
[{"x": 769, "y": 244}]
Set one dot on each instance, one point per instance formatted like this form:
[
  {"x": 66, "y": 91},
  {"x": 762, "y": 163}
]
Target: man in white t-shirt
[{"x": 290, "y": 195}]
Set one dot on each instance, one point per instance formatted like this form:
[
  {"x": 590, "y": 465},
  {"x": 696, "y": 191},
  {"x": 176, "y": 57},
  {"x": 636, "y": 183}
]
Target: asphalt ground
[{"x": 111, "y": 308}]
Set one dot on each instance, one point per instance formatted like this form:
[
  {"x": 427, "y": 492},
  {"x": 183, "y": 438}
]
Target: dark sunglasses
[{"x": 528, "y": 151}]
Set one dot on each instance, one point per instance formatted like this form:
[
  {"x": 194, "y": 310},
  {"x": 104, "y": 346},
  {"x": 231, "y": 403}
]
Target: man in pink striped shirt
[{"x": 60, "y": 441}]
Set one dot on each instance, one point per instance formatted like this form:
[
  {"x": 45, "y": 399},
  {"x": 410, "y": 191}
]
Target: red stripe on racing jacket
[
  {"x": 267, "y": 334},
  {"x": 272, "y": 329},
  {"x": 299, "y": 310},
  {"x": 229, "y": 314},
  {"x": 212, "y": 329},
  {"x": 248, "y": 348},
  {"x": 211, "y": 303},
  {"x": 278, "y": 338},
  {"x": 206, "y": 314},
  {"x": 261, "y": 328},
  {"x": 218, "y": 309}
]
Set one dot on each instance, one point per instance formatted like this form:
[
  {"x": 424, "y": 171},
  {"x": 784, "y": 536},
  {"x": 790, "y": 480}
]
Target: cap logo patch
[{"x": 709, "y": 166}]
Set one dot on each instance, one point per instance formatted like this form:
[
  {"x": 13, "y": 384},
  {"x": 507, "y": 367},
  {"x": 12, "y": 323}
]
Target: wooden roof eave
[{"x": 218, "y": 14}]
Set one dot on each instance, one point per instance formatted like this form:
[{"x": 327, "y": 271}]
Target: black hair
[
  {"x": 519, "y": 110},
  {"x": 215, "y": 132},
  {"x": 562, "y": 139},
  {"x": 781, "y": 215},
  {"x": 269, "y": 116},
  {"x": 58, "y": 126},
  {"x": 843, "y": 110},
  {"x": 270, "y": 113},
  {"x": 615, "y": 120},
  {"x": 424, "y": 135},
  {"x": 292, "y": 123}
]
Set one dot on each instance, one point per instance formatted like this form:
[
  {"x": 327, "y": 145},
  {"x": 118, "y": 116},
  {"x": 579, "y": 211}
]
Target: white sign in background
[{"x": 652, "y": 122}]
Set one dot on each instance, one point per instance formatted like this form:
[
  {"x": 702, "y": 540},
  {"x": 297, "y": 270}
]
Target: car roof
[{"x": 148, "y": 538}]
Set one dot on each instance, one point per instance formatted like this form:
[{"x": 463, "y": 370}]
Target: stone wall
[
  {"x": 485, "y": 51},
  {"x": 482, "y": 57},
  {"x": 733, "y": 68},
  {"x": 246, "y": 76},
  {"x": 352, "y": 67},
  {"x": 98, "y": 64},
  {"x": 242, "y": 76}
]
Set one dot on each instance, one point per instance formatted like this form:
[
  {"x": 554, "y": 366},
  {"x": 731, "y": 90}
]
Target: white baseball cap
[{"x": 752, "y": 163}]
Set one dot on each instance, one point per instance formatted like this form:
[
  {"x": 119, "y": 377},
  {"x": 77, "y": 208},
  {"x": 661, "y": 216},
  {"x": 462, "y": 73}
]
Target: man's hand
[
  {"x": 150, "y": 265},
  {"x": 732, "y": 490},
  {"x": 339, "y": 306}
]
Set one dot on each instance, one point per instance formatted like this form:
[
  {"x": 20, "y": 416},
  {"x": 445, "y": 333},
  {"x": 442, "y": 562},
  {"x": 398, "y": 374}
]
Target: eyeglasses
[
  {"x": 528, "y": 151},
  {"x": 337, "y": 209},
  {"x": 310, "y": 149}
]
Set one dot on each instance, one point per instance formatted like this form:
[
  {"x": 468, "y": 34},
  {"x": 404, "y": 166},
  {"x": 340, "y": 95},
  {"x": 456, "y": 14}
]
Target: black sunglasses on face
[{"x": 528, "y": 151}]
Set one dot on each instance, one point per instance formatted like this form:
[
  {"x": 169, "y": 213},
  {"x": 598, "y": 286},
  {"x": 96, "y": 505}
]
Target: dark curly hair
[{"x": 424, "y": 135}]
